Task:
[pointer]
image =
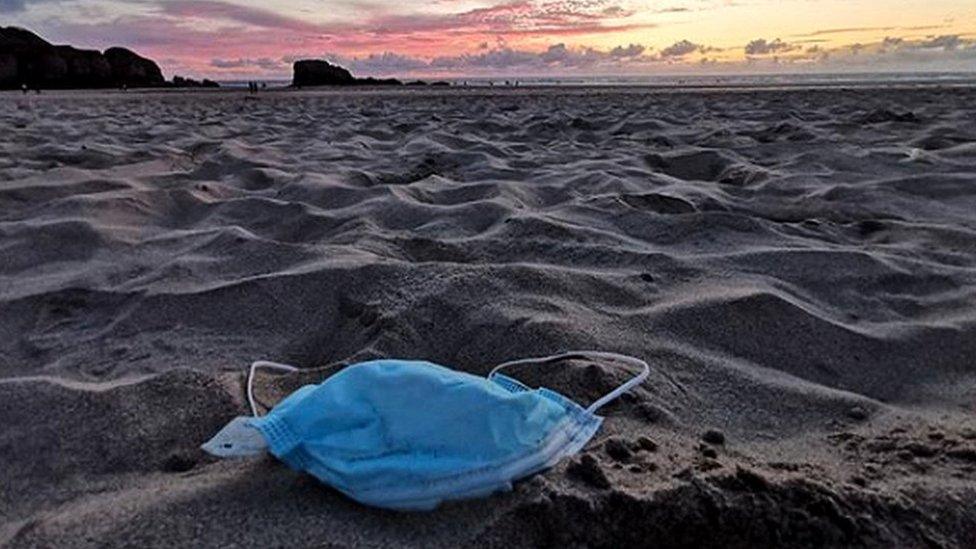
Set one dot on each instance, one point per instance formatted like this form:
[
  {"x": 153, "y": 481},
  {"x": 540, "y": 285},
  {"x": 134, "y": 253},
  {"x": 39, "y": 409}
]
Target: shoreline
[{"x": 961, "y": 84}]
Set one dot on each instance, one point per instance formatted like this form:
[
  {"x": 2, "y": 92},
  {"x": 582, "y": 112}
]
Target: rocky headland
[
  {"x": 28, "y": 60},
  {"x": 315, "y": 72}
]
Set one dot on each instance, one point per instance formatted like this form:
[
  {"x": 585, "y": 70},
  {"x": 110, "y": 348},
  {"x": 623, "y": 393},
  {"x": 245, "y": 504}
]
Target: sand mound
[{"x": 797, "y": 266}]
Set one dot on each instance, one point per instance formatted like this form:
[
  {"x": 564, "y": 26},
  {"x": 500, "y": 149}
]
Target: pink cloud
[
  {"x": 213, "y": 37},
  {"x": 183, "y": 30},
  {"x": 217, "y": 10}
]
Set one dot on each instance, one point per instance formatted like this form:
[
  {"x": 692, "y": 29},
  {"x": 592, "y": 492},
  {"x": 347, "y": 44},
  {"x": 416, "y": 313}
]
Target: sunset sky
[{"x": 251, "y": 38}]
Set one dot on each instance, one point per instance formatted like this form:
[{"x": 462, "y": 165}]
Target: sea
[{"x": 685, "y": 81}]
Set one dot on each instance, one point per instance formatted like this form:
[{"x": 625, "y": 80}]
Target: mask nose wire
[
  {"x": 250, "y": 379},
  {"x": 602, "y": 401}
]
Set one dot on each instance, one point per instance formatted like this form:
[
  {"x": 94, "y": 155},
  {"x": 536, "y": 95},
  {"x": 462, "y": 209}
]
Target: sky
[{"x": 228, "y": 39}]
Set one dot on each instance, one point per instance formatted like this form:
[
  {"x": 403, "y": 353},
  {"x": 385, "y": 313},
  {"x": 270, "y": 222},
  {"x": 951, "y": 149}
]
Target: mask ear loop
[
  {"x": 250, "y": 380},
  {"x": 605, "y": 399}
]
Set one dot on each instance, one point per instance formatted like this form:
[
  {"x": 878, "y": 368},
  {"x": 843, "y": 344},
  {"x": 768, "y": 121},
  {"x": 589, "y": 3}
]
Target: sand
[{"x": 798, "y": 265}]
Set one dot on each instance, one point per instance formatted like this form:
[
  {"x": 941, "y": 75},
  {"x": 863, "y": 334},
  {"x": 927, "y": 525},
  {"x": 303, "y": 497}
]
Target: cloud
[
  {"x": 673, "y": 10},
  {"x": 263, "y": 63},
  {"x": 383, "y": 63},
  {"x": 218, "y": 10},
  {"x": 561, "y": 58},
  {"x": 224, "y": 29},
  {"x": 9, "y": 6},
  {"x": 817, "y": 52},
  {"x": 893, "y": 53},
  {"x": 555, "y": 58},
  {"x": 762, "y": 47},
  {"x": 680, "y": 49},
  {"x": 824, "y": 32},
  {"x": 892, "y": 41},
  {"x": 847, "y": 30},
  {"x": 505, "y": 58},
  {"x": 945, "y": 42},
  {"x": 227, "y": 37},
  {"x": 513, "y": 18},
  {"x": 226, "y": 25},
  {"x": 16, "y": 6},
  {"x": 632, "y": 50}
]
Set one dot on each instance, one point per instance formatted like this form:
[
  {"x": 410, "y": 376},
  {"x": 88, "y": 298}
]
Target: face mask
[{"x": 409, "y": 435}]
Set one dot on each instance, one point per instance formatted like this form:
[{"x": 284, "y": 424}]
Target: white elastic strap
[
  {"x": 602, "y": 401},
  {"x": 250, "y": 379}
]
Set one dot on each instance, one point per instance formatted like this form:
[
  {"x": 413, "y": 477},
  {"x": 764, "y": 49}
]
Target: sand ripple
[{"x": 784, "y": 258}]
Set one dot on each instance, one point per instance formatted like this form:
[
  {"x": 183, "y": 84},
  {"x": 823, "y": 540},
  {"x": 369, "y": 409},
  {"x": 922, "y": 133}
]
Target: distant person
[{"x": 23, "y": 88}]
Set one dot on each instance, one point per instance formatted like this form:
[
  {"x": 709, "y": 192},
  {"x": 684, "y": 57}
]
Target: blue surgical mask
[{"x": 409, "y": 435}]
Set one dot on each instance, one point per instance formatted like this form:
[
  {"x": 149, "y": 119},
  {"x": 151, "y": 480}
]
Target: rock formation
[
  {"x": 320, "y": 73},
  {"x": 311, "y": 72},
  {"x": 134, "y": 71},
  {"x": 27, "y": 59},
  {"x": 181, "y": 82}
]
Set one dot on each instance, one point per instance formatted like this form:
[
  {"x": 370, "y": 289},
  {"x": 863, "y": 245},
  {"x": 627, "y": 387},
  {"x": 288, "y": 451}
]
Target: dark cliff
[{"x": 28, "y": 60}]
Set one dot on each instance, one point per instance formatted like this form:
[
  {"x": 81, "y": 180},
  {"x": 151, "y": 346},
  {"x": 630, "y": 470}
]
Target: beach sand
[{"x": 797, "y": 265}]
